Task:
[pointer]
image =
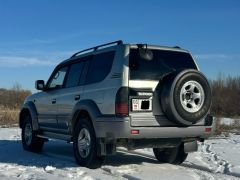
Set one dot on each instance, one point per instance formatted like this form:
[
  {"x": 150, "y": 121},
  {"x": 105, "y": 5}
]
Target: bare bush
[
  {"x": 14, "y": 97},
  {"x": 225, "y": 96},
  {"x": 10, "y": 103},
  {"x": 222, "y": 128},
  {"x": 8, "y": 116}
]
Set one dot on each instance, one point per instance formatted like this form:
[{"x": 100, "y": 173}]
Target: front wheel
[
  {"x": 85, "y": 145},
  {"x": 30, "y": 141}
]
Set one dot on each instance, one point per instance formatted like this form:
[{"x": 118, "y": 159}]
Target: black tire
[
  {"x": 172, "y": 97},
  {"x": 170, "y": 155},
  {"x": 166, "y": 155},
  {"x": 33, "y": 144},
  {"x": 90, "y": 160},
  {"x": 181, "y": 156}
]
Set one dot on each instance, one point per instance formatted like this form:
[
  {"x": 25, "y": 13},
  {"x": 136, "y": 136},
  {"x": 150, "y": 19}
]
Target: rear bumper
[{"x": 118, "y": 128}]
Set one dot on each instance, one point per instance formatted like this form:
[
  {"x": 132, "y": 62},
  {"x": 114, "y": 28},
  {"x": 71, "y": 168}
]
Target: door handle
[
  {"x": 77, "y": 97},
  {"x": 54, "y": 101}
]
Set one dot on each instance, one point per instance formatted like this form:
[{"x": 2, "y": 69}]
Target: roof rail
[
  {"x": 97, "y": 47},
  {"x": 177, "y": 47}
]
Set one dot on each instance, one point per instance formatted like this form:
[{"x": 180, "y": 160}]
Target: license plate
[{"x": 141, "y": 104}]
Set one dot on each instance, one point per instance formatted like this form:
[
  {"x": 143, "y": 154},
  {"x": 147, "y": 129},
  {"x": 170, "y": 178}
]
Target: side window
[
  {"x": 100, "y": 66},
  {"x": 58, "y": 79},
  {"x": 74, "y": 74}
]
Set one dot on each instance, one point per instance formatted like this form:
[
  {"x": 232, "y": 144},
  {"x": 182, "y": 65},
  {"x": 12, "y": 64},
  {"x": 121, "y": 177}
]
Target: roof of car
[{"x": 116, "y": 43}]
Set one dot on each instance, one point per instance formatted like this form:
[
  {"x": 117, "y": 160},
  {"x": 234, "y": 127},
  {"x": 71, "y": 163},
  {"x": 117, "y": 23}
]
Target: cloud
[
  {"x": 14, "y": 61},
  {"x": 23, "y": 58},
  {"x": 45, "y": 41}
]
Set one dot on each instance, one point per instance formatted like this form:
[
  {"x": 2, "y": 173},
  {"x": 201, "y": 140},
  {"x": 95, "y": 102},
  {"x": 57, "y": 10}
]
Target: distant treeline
[
  {"x": 225, "y": 96},
  {"x": 14, "y": 97}
]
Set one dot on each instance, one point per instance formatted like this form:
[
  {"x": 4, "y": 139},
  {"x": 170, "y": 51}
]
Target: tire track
[
  {"x": 222, "y": 166},
  {"x": 219, "y": 165},
  {"x": 203, "y": 171}
]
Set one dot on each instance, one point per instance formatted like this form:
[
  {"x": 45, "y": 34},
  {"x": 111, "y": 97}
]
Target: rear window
[
  {"x": 74, "y": 74},
  {"x": 99, "y": 67},
  {"x": 163, "y": 62}
]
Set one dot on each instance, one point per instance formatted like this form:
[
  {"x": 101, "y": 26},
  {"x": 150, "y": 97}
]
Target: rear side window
[
  {"x": 162, "y": 63},
  {"x": 74, "y": 74},
  {"x": 99, "y": 67}
]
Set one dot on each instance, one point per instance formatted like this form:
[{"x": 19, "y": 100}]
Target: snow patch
[
  {"x": 215, "y": 159},
  {"x": 227, "y": 121},
  {"x": 49, "y": 169},
  {"x": 88, "y": 178}
]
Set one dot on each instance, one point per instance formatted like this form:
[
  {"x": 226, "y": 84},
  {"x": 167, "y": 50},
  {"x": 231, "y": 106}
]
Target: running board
[{"x": 51, "y": 135}]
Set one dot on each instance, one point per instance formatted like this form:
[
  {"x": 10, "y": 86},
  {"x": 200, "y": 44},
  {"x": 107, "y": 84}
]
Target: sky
[{"x": 37, "y": 35}]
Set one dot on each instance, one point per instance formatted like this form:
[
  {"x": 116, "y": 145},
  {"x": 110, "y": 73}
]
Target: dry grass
[{"x": 8, "y": 117}]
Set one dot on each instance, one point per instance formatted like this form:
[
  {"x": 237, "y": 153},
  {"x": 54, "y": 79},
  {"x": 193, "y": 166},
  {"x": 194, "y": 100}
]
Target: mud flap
[
  {"x": 106, "y": 148},
  {"x": 190, "y": 146}
]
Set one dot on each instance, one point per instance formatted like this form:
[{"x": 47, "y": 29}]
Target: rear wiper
[{"x": 144, "y": 52}]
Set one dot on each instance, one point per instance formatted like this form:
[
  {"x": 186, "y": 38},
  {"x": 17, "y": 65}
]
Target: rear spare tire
[{"x": 185, "y": 97}]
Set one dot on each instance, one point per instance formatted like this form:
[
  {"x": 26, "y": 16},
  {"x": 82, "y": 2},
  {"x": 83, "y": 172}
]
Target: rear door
[
  {"x": 71, "y": 94},
  {"x": 145, "y": 81}
]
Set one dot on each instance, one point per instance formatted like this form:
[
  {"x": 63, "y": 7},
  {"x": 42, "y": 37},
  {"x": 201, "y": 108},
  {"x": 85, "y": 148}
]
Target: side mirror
[{"x": 40, "y": 85}]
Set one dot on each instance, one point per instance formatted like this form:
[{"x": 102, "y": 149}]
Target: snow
[
  {"x": 215, "y": 159},
  {"x": 227, "y": 121},
  {"x": 50, "y": 169}
]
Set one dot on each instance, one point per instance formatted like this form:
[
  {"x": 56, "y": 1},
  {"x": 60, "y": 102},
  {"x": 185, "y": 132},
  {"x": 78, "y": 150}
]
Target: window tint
[
  {"x": 163, "y": 62},
  {"x": 99, "y": 67},
  {"x": 58, "y": 78},
  {"x": 74, "y": 74}
]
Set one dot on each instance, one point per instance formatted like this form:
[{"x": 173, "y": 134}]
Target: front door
[{"x": 47, "y": 101}]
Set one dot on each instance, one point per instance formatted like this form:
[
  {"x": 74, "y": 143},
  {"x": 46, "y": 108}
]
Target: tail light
[
  {"x": 134, "y": 132},
  {"x": 208, "y": 130},
  {"x": 121, "y": 102}
]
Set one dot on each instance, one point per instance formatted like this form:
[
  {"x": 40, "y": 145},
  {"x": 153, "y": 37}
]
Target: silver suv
[{"x": 115, "y": 94}]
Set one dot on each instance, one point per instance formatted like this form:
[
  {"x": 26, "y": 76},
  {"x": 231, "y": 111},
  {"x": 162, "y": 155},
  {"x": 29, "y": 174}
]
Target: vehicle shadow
[
  {"x": 124, "y": 157},
  {"x": 12, "y": 152},
  {"x": 60, "y": 155}
]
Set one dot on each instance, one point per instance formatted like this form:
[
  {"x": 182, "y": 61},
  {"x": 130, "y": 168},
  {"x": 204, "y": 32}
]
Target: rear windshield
[{"x": 162, "y": 63}]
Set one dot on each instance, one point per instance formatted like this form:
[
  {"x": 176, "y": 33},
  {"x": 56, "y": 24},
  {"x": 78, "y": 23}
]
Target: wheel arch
[
  {"x": 85, "y": 108},
  {"x": 29, "y": 109}
]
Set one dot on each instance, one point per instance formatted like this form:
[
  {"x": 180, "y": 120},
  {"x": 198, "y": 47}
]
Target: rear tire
[
  {"x": 30, "y": 141},
  {"x": 170, "y": 155},
  {"x": 181, "y": 156},
  {"x": 85, "y": 145}
]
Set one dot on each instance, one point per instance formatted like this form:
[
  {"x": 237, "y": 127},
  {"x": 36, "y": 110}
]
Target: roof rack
[{"x": 97, "y": 47}]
